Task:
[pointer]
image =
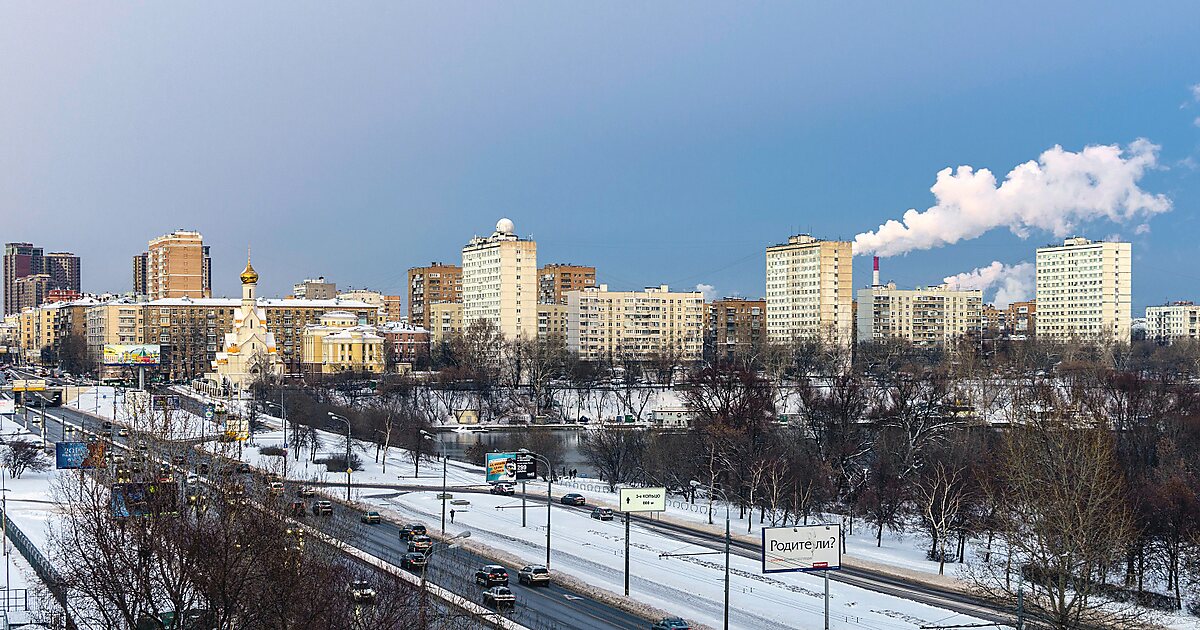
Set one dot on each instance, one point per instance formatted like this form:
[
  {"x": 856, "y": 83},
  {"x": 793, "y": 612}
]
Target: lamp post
[
  {"x": 711, "y": 489},
  {"x": 425, "y": 435},
  {"x": 452, "y": 542},
  {"x": 549, "y": 497},
  {"x": 348, "y": 467},
  {"x": 283, "y": 415}
]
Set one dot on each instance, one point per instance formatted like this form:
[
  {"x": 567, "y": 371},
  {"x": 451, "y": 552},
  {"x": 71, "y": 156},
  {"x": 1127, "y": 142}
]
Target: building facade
[
  {"x": 1020, "y": 320},
  {"x": 1170, "y": 322},
  {"x": 810, "y": 290},
  {"x": 735, "y": 327},
  {"x": 61, "y": 271},
  {"x": 339, "y": 345},
  {"x": 606, "y": 325},
  {"x": 552, "y": 320},
  {"x": 500, "y": 282},
  {"x": 315, "y": 289},
  {"x": 20, "y": 260},
  {"x": 445, "y": 319},
  {"x": 248, "y": 352},
  {"x": 930, "y": 316},
  {"x": 1084, "y": 291},
  {"x": 556, "y": 280},
  {"x": 175, "y": 265},
  {"x": 114, "y": 322},
  {"x": 408, "y": 343},
  {"x": 438, "y": 283},
  {"x": 64, "y": 271},
  {"x": 31, "y": 291}
]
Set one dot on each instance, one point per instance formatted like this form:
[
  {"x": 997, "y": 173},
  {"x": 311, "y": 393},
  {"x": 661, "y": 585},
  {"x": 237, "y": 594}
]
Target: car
[
  {"x": 191, "y": 480},
  {"x": 412, "y": 529},
  {"x": 202, "y": 469},
  {"x": 179, "y": 460},
  {"x": 276, "y": 488},
  {"x": 533, "y": 575},
  {"x": 420, "y": 543},
  {"x": 360, "y": 592},
  {"x": 602, "y": 514},
  {"x": 307, "y": 491},
  {"x": 491, "y": 575},
  {"x": 671, "y": 623},
  {"x": 243, "y": 467},
  {"x": 499, "y": 597},
  {"x": 370, "y": 518},
  {"x": 107, "y": 425},
  {"x": 322, "y": 508},
  {"x": 414, "y": 561},
  {"x": 503, "y": 489},
  {"x": 573, "y": 498},
  {"x": 122, "y": 432},
  {"x": 297, "y": 509},
  {"x": 143, "y": 446}
]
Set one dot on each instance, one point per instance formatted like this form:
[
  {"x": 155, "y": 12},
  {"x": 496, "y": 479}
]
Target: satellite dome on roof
[{"x": 505, "y": 226}]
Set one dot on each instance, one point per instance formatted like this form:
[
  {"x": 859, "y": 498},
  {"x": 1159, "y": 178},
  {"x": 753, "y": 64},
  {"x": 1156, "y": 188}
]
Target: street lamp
[
  {"x": 283, "y": 416},
  {"x": 450, "y": 543},
  {"x": 425, "y": 435},
  {"x": 711, "y": 489},
  {"x": 348, "y": 467},
  {"x": 549, "y": 498}
]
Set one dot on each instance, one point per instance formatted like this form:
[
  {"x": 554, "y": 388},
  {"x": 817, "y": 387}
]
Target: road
[{"x": 551, "y": 608}]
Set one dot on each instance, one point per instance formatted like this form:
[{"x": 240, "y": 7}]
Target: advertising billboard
[
  {"x": 510, "y": 467},
  {"x": 8, "y": 406},
  {"x": 802, "y": 548},
  {"x": 643, "y": 499},
  {"x": 144, "y": 355},
  {"x": 71, "y": 455}
]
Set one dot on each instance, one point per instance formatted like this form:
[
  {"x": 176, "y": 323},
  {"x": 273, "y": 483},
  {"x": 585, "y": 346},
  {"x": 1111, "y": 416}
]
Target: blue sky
[{"x": 661, "y": 142}]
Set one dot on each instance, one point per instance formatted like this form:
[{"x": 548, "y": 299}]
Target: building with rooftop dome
[
  {"x": 249, "y": 352},
  {"x": 500, "y": 282}
]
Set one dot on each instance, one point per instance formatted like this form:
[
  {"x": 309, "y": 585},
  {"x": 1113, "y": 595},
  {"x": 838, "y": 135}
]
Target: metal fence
[{"x": 36, "y": 559}]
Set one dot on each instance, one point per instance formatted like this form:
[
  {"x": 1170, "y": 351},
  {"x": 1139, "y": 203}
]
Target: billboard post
[
  {"x": 806, "y": 548},
  {"x": 639, "y": 500}
]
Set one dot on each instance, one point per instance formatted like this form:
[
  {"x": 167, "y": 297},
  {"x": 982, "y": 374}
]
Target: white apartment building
[
  {"x": 114, "y": 322},
  {"x": 1177, "y": 320},
  {"x": 500, "y": 282},
  {"x": 603, "y": 324},
  {"x": 1084, "y": 291},
  {"x": 927, "y": 316},
  {"x": 810, "y": 290}
]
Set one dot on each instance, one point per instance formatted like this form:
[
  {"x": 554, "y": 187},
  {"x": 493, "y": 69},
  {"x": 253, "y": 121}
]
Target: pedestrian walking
[{"x": 451, "y": 516}]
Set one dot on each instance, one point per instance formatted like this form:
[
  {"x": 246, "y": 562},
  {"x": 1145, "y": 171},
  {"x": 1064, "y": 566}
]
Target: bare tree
[
  {"x": 21, "y": 455},
  {"x": 940, "y": 496}
]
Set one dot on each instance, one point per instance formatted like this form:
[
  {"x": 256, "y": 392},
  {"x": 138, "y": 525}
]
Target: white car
[{"x": 534, "y": 575}]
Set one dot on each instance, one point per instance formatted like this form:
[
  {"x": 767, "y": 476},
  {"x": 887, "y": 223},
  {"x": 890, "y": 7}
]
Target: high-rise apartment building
[
  {"x": 445, "y": 319},
  {"x": 393, "y": 308},
  {"x": 20, "y": 260},
  {"x": 735, "y": 327},
  {"x": 175, "y": 265},
  {"x": 603, "y": 324},
  {"x": 930, "y": 316},
  {"x": 556, "y": 280},
  {"x": 500, "y": 282},
  {"x": 315, "y": 289},
  {"x": 140, "y": 272},
  {"x": 1169, "y": 322},
  {"x": 810, "y": 290},
  {"x": 438, "y": 283},
  {"x": 63, "y": 269},
  {"x": 1020, "y": 319},
  {"x": 1084, "y": 291},
  {"x": 31, "y": 291}
]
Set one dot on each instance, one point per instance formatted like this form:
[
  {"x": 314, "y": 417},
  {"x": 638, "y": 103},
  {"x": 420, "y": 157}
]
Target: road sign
[
  {"x": 208, "y": 413},
  {"x": 643, "y": 499},
  {"x": 8, "y": 406},
  {"x": 29, "y": 385},
  {"x": 802, "y": 548}
]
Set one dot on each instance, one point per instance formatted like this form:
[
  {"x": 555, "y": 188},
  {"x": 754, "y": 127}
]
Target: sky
[{"x": 665, "y": 142}]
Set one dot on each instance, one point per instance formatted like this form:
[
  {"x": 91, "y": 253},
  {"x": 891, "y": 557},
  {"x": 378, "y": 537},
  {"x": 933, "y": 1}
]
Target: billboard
[
  {"x": 73, "y": 455},
  {"x": 802, "y": 548},
  {"x": 643, "y": 499},
  {"x": 144, "y": 499},
  {"x": 8, "y": 406},
  {"x": 34, "y": 385},
  {"x": 144, "y": 355},
  {"x": 510, "y": 467}
]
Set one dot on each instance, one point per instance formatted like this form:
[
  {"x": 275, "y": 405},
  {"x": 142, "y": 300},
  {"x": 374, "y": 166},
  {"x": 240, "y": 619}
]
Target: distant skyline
[{"x": 664, "y": 144}]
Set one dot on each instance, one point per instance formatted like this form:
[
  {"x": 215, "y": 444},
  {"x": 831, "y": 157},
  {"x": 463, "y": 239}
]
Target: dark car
[
  {"x": 412, "y": 529},
  {"x": 491, "y": 575},
  {"x": 322, "y": 508},
  {"x": 499, "y": 597},
  {"x": 202, "y": 469},
  {"x": 370, "y": 518},
  {"x": 243, "y": 467},
  {"x": 533, "y": 575},
  {"x": 107, "y": 426},
  {"x": 414, "y": 561},
  {"x": 603, "y": 514},
  {"x": 297, "y": 508},
  {"x": 503, "y": 489},
  {"x": 572, "y": 498},
  {"x": 671, "y": 623},
  {"x": 420, "y": 543}
]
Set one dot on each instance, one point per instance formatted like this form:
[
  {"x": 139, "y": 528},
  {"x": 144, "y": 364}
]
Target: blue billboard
[{"x": 71, "y": 455}]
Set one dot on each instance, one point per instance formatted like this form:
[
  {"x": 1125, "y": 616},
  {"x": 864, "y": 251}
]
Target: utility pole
[
  {"x": 1021, "y": 606},
  {"x": 627, "y": 555}
]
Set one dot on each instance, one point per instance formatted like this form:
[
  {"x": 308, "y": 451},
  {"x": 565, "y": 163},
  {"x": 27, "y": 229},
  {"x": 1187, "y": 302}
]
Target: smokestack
[{"x": 875, "y": 274}]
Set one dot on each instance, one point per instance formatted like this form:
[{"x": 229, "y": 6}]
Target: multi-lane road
[{"x": 552, "y": 607}]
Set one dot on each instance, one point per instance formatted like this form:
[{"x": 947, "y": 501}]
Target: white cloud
[
  {"x": 1054, "y": 194},
  {"x": 1197, "y": 121},
  {"x": 1196, "y": 92},
  {"x": 1013, "y": 283},
  {"x": 708, "y": 290},
  {"x": 1142, "y": 229}
]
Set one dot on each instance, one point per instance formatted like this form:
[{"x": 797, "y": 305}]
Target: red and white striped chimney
[{"x": 875, "y": 274}]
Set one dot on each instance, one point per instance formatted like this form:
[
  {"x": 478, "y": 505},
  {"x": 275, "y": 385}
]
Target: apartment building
[
  {"x": 735, "y": 327},
  {"x": 175, "y": 265},
  {"x": 114, "y": 322},
  {"x": 339, "y": 344},
  {"x": 445, "y": 319},
  {"x": 810, "y": 290},
  {"x": 31, "y": 291},
  {"x": 1020, "y": 319},
  {"x": 53, "y": 271},
  {"x": 1084, "y": 291},
  {"x": 500, "y": 282},
  {"x": 603, "y": 324},
  {"x": 393, "y": 308},
  {"x": 556, "y": 280},
  {"x": 552, "y": 320},
  {"x": 1172, "y": 321},
  {"x": 437, "y": 283},
  {"x": 20, "y": 260},
  {"x": 926, "y": 316},
  {"x": 408, "y": 343},
  {"x": 315, "y": 289}
]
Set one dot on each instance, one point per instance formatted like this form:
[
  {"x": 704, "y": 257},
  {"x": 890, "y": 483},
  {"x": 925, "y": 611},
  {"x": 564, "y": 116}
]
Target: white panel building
[
  {"x": 500, "y": 282},
  {"x": 1177, "y": 320},
  {"x": 810, "y": 290},
  {"x": 1084, "y": 291},
  {"x": 604, "y": 324},
  {"x": 928, "y": 316}
]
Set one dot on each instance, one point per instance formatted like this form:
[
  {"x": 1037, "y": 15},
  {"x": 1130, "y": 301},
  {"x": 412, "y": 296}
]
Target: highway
[{"x": 551, "y": 607}]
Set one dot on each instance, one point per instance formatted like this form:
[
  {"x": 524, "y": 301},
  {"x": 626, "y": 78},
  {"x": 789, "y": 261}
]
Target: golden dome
[{"x": 249, "y": 275}]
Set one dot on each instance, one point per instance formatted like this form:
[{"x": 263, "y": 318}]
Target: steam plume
[
  {"x": 1055, "y": 193},
  {"x": 1015, "y": 283}
]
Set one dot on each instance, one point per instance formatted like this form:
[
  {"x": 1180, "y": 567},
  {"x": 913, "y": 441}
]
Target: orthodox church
[{"x": 249, "y": 350}]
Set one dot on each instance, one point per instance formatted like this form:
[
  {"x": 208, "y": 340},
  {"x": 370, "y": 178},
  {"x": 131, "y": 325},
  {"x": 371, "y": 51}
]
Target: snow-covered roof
[
  {"x": 399, "y": 327},
  {"x": 272, "y": 302}
]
